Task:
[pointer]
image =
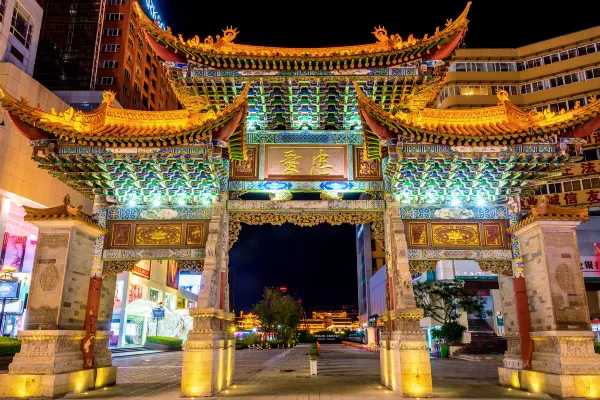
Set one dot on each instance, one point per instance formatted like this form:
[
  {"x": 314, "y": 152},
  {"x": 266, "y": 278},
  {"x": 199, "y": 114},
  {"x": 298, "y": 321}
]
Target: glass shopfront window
[{"x": 19, "y": 241}]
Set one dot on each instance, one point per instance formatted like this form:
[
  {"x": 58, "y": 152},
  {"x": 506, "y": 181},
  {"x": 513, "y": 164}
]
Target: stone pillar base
[
  {"x": 55, "y": 385},
  {"x": 208, "y": 357},
  {"x": 562, "y": 386},
  {"x": 405, "y": 365},
  {"x": 510, "y": 377}
]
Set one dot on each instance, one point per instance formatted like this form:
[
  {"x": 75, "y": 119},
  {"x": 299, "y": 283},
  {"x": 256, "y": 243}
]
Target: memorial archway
[{"x": 170, "y": 185}]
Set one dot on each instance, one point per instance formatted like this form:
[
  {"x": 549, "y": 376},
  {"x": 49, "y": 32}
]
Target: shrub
[
  {"x": 9, "y": 346},
  {"x": 314, "y": 352},
  {"x": 597, "y": 347},
  {"x": 450, "y": 332},
  {"x": 250, "y": 339},
  {"x": 173, "y": 343}
]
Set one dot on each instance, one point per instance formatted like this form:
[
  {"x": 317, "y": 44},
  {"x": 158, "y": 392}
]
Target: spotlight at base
[
  {"x": 131, "y": 203},
  {"x": 480, "y": 201},
  {"x": 156, "y": 202},
  {"x": 181, "y": 201},
  {"x": 455, "y": 202}
]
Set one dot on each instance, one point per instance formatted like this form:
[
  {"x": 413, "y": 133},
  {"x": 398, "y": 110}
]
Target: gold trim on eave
[{"x": 548, "y": 212}]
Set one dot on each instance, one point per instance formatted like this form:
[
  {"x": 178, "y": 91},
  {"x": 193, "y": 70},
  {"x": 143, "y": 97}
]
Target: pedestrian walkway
[{"x": 345, "y": 373}]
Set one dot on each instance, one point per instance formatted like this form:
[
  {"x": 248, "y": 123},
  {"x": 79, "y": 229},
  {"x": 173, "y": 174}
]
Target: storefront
[
  {"x": 153, "y": 284},
  {"x": 19, "y": 241}
]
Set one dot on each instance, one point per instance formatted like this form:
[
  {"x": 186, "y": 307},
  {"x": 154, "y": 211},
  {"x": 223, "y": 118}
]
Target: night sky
[{"x": 319, "y": 264}]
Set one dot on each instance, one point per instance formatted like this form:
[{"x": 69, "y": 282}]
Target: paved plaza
[{"x": 345, "y": 373}]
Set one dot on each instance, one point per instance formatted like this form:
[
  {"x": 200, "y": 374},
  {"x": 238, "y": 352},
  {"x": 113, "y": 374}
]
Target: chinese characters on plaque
[
  {"x": 590, "y": 196},
  {"x": 318, "y": 162}
]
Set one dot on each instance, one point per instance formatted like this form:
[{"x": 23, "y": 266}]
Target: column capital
[
  {"x": 551, "y": 215},
  {"x": 64, "y": 216}
]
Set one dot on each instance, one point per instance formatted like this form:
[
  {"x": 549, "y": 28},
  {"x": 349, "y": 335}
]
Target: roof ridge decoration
[
  {"x": 388, "y": 50},
  {"x": 65, "y": 212},
  {"x": 502, "y": 124},
  {"x": 110, "y": 126}
]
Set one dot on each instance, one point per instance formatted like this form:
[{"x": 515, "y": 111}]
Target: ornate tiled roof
[
  {"x": 389, "y": 50},
  {"x": 65, "y": 212},
  {"x": 502, "y": 124},
  {"x": 110, "y": 126}
]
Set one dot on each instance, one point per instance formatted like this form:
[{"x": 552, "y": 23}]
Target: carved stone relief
[
  {"x": 565, "y": 278},
  {"x": 558, "y": 239},
  {"x": 49, "y": 278},
  {"x": 55, "y": 241},
  {"x": 43, "y": 315}
]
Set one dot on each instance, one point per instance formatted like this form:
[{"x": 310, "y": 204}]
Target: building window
[
  {"x": 115, "y": 2},
  {"x": 17, "y": 54},
  {"x": 114, "y": 17},
  {"x": 2, "y": 9},
  {"x": 109, "y": 64},
  {"x": 107, "y": 80},
  {"x": 111, "y": 48},
  {"x": 125, "y": 89},
  {"x": 127, "y": 74},
  {"x": 22, "y": 24},
  {"x": 112, "y": 32},
  {"x": 136, "y": 87}
]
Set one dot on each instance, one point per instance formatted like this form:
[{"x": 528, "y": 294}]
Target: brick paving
[{"x": 345, "y": 373}]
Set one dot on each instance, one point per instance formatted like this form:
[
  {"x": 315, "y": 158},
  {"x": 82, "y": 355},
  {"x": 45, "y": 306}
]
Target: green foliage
[
  {"x": 279, "y": 314},
  {"x": 171, "y": 342},
  {"x": 597, "y": 347},
  {"x": 314, "y": 352},
  {"x": 250, "y": 340},
  {"x": 442, "y": 300},
  {"x": 9, "y": 346},
  {"x": 451, "y": 332}
]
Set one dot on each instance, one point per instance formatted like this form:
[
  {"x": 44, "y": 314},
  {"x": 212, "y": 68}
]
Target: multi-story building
[
  {"x": 20, "y": 31},
  {"x": 559, "y": 73},
  {"x": 92, "y": 46},
  {"x": 370, "y": 257}
]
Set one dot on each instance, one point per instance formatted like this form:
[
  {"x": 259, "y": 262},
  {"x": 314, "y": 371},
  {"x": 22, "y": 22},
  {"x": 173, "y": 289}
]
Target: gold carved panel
[
  {"x": 364, "y": 169},
  {"x": 158, "y": 235},
  {"x": 120, "y": 235},
  {"x": 418, "y": 234},
  {"x": 194, "y": 235},
  {"x": 306, "y": 162},
  {"x": 464, "y": 234},
  {"x": 493, "y": 234},
  {"x": 246, "y": 169}
]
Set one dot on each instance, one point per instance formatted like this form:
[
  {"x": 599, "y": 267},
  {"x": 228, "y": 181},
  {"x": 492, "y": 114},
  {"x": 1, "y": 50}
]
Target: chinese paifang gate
[{"x": 333, "y": 121}]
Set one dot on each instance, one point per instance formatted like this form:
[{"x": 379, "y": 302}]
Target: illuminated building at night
[{"x": 440, "y": 184}]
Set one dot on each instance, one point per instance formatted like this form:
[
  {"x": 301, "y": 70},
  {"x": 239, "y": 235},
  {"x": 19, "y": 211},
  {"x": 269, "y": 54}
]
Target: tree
[
  {"x": 442, "y": 300},
  {"x": 280, "y": 314}
]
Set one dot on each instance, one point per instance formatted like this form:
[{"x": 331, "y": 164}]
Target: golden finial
[{"x": 380, "y": 33}]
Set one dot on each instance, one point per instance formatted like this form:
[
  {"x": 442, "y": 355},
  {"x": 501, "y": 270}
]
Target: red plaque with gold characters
[
  {"x": 158, "y": 235},
  {"x": 306, "y": 162}
]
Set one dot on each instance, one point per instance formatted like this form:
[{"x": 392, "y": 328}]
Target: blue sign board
[
  {"x": 9, "y": 290},
  {"x": 158, "y": 313}
]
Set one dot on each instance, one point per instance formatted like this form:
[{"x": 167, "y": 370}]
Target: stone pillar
[
  {"x": 564, "y": 363},
  {"x": 404, "y": 357},
  {"x": 50, "y": 362},
  {"x": 513, "y": 362},
  {"x": 209, "y": 355}
]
